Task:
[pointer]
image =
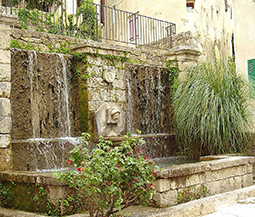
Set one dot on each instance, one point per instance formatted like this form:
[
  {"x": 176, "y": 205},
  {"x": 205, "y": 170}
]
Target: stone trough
[
  {"x": 213, "y": 175},
  {"x": 37, "y": 192}
]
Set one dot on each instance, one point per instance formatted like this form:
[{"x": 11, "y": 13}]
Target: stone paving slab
[
  {"x": 238, "y": 203},
  {"x": 246, "y": 208}
]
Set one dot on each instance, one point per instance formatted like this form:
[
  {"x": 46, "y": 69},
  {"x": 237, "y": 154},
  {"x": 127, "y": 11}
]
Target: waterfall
[
  {"x": 66, "y": 97},
  {"x": 148, "y": 99},
  {"x": 32, "y": 64}
]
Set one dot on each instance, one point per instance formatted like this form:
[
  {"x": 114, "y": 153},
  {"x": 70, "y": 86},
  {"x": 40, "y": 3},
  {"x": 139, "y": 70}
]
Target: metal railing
[{"x": 83, "y": 19}]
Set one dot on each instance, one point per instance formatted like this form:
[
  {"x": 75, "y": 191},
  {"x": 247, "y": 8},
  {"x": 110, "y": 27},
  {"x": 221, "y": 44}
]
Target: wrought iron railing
[{"x": 84, "y": 19}]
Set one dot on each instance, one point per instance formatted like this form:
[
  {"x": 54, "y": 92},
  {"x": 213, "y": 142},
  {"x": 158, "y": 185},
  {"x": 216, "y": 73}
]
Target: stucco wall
[
  {"x": 244, "y": 16},
  {"x": 209, "y": 22}
]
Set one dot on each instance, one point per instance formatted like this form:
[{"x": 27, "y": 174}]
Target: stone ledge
[
  {"x": 30, "y": 177},
  {"x": 7, "y": 19},
  {"x": 212, "y": 177},
  {"x": 199, "y": 207}
]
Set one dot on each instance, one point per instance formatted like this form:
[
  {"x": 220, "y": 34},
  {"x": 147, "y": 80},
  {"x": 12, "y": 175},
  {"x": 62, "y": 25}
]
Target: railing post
[
  {"x": 134, "y": 20},
  {"x": 10, "y": 6},
  {"x": 62, "y": 13},
  {"x": 97, "y": 20}
]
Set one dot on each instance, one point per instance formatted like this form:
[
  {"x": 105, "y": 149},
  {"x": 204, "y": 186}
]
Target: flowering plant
[{"x": 111, "y": 178}]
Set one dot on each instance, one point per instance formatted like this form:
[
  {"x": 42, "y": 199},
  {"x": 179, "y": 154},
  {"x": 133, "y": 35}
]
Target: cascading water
[
  {"x": 148, "y": 108},
  {"x": 148, "y": 100},
  {"x": 42, "y": 131},
  {"x": 66, "y": 97}
]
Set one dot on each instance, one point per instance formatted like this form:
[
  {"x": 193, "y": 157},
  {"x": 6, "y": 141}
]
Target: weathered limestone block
[
  {"x": 213, "y": 187},
  {"x": 192, "y": 193},
  {"x": 161, "y": 185},
  {"x": 247, "y": 180},
  {"x": 195, "y": 179},
  {"x": 95, "y": 71},
  {"x": 94, "y": 94},
  {"x": 105, "y": 94},
  {"x": 5, "y": 72},
  {"x": 5, "y": 159},
  {"x": 5, "y": 89},
  {"x": 120, "y": 84},
  {"x": 188, "y": 180},
  {"x": 7, "y": 20},
  {"x": 5, "y": 140},
  {"x": 98, "y": 61},
  {"x": 192, "y": 210},
  {"x": 5, "y": 107},
  {"x": 95, "y": 82},
  {"x": 5, "y": 124},
  {"x": 5, "y": 56},
  {"x": 118, "y": 95},
  {"x": 5, "y": 39},
  {"x": 210, "y": 205},
  {"x": 166, "y": 199}
]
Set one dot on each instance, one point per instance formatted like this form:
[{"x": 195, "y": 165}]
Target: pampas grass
[{"x": 211, "y": 110}]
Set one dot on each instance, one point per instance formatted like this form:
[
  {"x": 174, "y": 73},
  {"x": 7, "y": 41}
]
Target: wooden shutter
[{"x": 102, "y": 18}]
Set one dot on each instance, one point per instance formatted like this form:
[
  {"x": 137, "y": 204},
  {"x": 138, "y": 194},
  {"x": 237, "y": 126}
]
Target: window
[{"x": 190, "y": 4}]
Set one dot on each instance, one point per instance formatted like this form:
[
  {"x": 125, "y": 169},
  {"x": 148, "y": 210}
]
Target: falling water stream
[{"x": 48, "y": 137}]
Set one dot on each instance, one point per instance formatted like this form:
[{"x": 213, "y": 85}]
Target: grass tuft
[{"x": 211, "y": 110}]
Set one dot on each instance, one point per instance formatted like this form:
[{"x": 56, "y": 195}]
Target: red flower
[
  {"x": 150, "y": 162},
  {"x": 147, "y": 156},
  {"x": 136, "y": 180},
  {"x": 118, "y": 165},
  {"x": 69, "y": 161},
  {"x": 130, "y": 152},
  {"x": 136, "y": 149},
  {"x": 107, "y": 151},
  {"x": 79, "y": 169},
  {"x": 154, "y": 174},
  {"x": 149, "y": 185}
]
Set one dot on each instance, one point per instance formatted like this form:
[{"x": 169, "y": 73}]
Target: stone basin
[
  {"x": 35, "y": 192},
  {"x": 213, "y": 175}
]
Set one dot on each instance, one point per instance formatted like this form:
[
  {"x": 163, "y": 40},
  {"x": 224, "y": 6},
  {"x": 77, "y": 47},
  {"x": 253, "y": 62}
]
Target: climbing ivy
[{"x": 173, "y": 68}]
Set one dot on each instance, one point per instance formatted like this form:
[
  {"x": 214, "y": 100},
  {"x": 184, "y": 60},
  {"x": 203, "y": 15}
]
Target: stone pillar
[
  {"x": 5, "y": 90},
  {"x": 184, "y": 55}
]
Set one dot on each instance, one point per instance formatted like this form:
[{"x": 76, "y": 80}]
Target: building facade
[{"x": 222, "y": 27}]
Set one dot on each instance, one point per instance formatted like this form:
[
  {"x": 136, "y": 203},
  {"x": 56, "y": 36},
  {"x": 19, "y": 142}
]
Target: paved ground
[
  {"x": 244, "y": 208},
  {"x": 238, "y": 203}
]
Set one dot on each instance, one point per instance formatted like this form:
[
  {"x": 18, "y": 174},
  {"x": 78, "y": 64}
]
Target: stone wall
[
  {"x": 46, "y": 42},
  {"x": 177, "y": 184},
  {"x": 180, "y": 184},
  {"x": 5, "y": 91},
  {"x": 99, "y": 61}
]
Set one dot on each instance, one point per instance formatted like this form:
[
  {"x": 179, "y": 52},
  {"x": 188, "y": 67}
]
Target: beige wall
[
  {"x": 210, "y": 24},
  {"x": 244, "y": 22}
]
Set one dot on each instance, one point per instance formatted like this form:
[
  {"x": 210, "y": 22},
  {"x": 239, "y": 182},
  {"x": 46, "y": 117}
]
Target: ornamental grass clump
[
  {"x": 211, "y": 110},
  {"x": 110, "y": 178}
]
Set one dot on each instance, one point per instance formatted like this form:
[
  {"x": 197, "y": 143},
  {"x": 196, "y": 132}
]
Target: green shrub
[
  {"x": 211, "y": 110},
  {"x": 111, "y": 178}
]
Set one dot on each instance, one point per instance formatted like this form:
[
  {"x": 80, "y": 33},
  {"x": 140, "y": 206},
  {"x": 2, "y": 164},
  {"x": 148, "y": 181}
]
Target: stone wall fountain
[
  {"x": 44, "y": 117},
  {"x": 56, "y": 97}
]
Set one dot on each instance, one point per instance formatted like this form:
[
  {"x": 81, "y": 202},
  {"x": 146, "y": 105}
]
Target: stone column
[
  {"x": 185, "y": 56},
  {"x": 5, "y": 91}
]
